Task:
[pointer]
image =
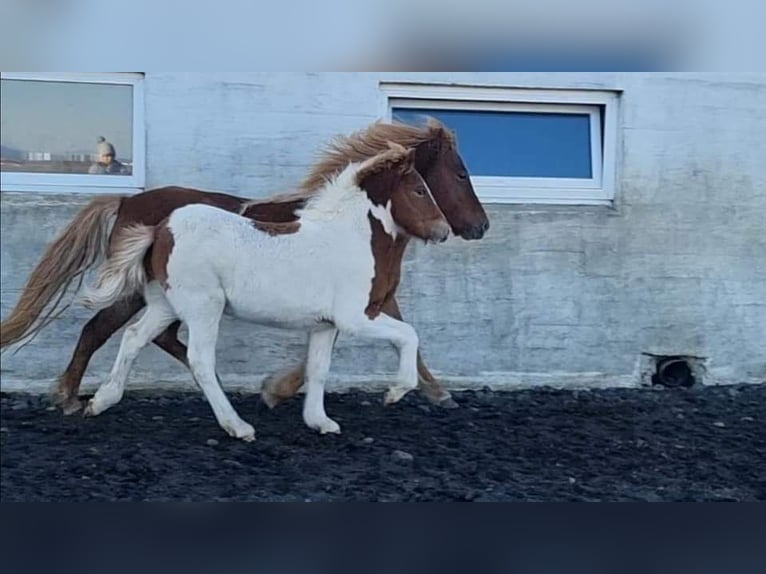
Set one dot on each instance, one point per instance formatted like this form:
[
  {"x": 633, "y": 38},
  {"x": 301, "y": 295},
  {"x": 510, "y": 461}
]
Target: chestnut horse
[
  {"x": 318, "y": 272},
  {"x": 85, "y": 241}
]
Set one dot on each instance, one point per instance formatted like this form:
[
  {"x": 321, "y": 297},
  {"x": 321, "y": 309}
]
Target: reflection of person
[{"x": 105, "y": 160}]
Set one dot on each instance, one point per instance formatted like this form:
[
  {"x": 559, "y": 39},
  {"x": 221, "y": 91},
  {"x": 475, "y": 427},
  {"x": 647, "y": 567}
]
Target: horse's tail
[
  {"x": 82, "y": 243},
  {"x": 123, "y": 272}
]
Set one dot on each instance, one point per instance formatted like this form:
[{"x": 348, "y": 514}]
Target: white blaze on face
[{"x": 383, "y": 214}]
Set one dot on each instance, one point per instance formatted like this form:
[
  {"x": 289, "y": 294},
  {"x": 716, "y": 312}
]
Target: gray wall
[{"x": 558, "y": 295}]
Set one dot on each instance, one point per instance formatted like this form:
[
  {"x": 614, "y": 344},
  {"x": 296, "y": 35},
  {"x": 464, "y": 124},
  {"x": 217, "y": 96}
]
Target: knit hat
[{"x": 103, "y": 147}]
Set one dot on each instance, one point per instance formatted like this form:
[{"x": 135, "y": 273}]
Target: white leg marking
[
  {"x": 321, "y": 343},
  {"x": 405, "y": 339},
  {"x": 203, "y": 322},
  {"x": 157, "y": 317}
]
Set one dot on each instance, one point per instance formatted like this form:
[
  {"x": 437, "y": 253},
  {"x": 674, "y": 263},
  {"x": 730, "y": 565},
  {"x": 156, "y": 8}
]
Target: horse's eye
[
  {"x": 462, "y": 175},
  {"x": 420, "y": 192}
]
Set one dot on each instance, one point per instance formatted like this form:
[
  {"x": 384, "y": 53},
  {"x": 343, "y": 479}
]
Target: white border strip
[
  {"x": 68, "y": 182},
  {"x": 599, "y": 190}
]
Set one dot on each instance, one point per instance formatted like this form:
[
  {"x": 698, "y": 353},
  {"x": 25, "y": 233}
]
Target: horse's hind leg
[
  {"x": 202, "y": 316},
  {"x": 168, "y": 341},
  {"x": 158, "y": 316},
  {"x": 283, "y": 385},
  {"x": 95, "y": 333}
]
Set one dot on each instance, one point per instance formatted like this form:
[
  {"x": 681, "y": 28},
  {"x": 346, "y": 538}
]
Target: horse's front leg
[
  {"x": 427, "y": 384},
  {"x": 317, "y": 366},
  {"x": 405, "y": 339}
]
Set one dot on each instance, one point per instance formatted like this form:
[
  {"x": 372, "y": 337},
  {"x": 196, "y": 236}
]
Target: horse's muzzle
[
  {"x": 440, "y": 232},
  {"x": 477, "y": 231}
]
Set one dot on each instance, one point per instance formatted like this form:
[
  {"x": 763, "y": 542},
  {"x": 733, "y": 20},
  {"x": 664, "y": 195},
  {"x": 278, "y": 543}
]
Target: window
[
  {"x": 522, "y": 146},
  {"x": 72, "y": 132}
]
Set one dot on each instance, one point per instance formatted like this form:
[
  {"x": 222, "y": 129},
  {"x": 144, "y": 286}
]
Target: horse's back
[{"x": 151, "y": 207}]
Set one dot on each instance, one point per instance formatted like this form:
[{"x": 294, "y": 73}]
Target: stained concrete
[{"x": 567, "y": 296}]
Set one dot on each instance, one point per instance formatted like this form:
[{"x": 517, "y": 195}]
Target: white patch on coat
[
  {"x": 386, "y": 218},
  {"x": 318, "y": 278},
  {"x": 294, "y": 281}
]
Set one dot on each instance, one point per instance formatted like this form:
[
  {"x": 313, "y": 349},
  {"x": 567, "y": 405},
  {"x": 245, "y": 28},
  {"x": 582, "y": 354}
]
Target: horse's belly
[
  {"x": 298, "y": 285},
  {"x": 286, "y": 307}
]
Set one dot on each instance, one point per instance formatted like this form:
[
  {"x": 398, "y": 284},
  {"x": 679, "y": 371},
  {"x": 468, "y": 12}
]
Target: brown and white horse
[
  {"x": 315, "y": 273},
  {"x": 85, "y": 241}
]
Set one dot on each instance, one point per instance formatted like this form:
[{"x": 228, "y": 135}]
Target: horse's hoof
[
  {"x": 241, "y": 430},
  {"x": 324, "y": 426},
  {"x": 269, "y": 399},
  {"x": 71, "y": 406},
  {"x": 447, "y": 403},
  {"x": 89, "y": 410},
  {"x": 394, "y": 395},
  {"x": 331, "y": 428}
]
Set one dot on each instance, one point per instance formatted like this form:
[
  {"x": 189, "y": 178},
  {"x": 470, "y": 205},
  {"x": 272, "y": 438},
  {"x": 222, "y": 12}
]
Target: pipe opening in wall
[{"x": 673, "y": 372}]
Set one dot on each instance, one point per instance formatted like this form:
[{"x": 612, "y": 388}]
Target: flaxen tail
[
  {"x": 79, "y": 247},
  {"x": 123, "y": 272}
]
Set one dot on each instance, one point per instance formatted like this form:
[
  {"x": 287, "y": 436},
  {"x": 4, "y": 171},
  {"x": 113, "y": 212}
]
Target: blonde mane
[
  {"x": 358, "y": 147},
  {"x": 364, "y": 144}
]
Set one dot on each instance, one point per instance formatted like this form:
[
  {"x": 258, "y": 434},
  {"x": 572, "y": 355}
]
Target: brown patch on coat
[
  {"x": 388, "y": 254},
  {"x": 379, "y": 177},
  {"x": 273, "y": 229},
  {"x": 151, "y": 207},
  {"x": 277, "y": 209},
  {"x": 160, "y": 254}
]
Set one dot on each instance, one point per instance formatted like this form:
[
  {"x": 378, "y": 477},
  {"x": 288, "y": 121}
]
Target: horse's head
[
  {"x": 438, "y": 160},
  {"x": 393, "y": 184}
]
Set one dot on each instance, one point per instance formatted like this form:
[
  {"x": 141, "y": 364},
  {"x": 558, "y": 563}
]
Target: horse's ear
[
  {"x": 396, "y": 157},
  {"x": 407, "y": 161},
  {"x": 401, "y": 157},
  {"x": 396, "y": 148},
  {"x": 441, "y": 135}
]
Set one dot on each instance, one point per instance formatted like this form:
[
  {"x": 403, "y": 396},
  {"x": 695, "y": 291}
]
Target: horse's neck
[
  {"x": 388, "y": 253},
  {"x": 344, "y": 204}
]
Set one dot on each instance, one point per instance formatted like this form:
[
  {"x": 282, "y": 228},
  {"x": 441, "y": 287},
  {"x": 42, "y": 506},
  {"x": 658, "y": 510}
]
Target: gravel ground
[{"x": 533, "y": 445}]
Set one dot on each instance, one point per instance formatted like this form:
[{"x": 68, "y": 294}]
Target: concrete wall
[{"x": 560, "y": 295}]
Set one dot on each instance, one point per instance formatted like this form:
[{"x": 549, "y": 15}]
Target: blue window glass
[{"x": 516, "y": 144}]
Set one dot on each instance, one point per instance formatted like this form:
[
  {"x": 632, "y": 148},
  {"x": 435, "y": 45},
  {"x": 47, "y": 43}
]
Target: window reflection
[{"x": 66, "y": 127}]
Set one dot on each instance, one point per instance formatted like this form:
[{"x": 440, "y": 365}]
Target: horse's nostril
[
  {"x": 477, "y": 232},
  {"x": 440, "y": 233},
  {"x": 481, "y": 229}
]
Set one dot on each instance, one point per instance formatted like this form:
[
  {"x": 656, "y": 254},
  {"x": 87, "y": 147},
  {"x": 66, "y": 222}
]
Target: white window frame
[
  {"x": 598, "y": 190},
  {"x": 87, "y": 183}
]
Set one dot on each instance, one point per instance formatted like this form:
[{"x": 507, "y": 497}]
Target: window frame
[
  {"x": 600, "y": 105},
  {"x": 38, "y": 182}
]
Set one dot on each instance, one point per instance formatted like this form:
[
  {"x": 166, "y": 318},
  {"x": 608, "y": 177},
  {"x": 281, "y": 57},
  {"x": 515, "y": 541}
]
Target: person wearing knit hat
[{"x": 106, "y": 163}]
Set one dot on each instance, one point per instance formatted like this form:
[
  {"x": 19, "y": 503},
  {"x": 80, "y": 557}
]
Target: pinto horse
[
  {"x": 86, "y": 241},
  {"x": 319, "y": 272}
]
